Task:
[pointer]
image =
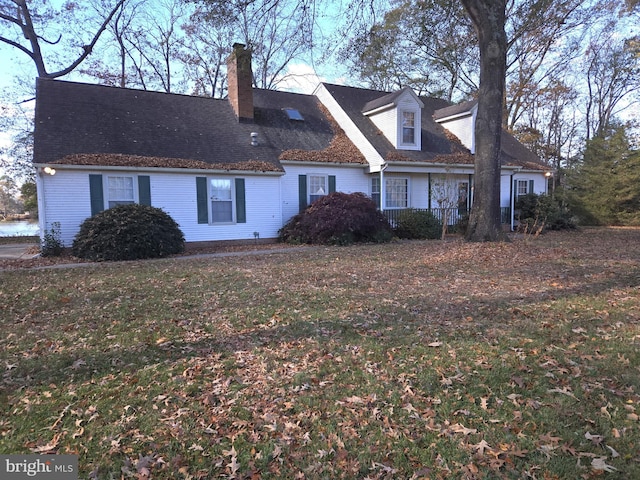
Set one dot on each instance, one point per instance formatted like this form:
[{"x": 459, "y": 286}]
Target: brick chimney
[{"x": 240, "y": 82}]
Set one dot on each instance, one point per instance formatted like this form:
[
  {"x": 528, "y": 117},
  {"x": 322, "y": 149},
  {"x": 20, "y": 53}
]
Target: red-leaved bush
[{"x": 338, "y": 219}]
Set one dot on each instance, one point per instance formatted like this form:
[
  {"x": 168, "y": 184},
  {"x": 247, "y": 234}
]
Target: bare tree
[
  {"x": 154, "y": 45},
  {"x": 613, "y": 75},
  {"x": 21, "y": 29},
  {"x": 205, "y": 49},
  {"x": 276, "y": 31}
]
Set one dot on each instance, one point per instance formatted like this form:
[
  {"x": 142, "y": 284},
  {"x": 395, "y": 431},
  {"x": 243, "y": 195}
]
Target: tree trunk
[{"x": 488, "y": 16}]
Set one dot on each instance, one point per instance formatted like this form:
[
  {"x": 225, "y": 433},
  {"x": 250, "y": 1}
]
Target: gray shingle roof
[
  {"x": 438, "y": 144},
  {"x": 434, "y": 138},
  {"x": 460, "y": 108},
  {"x": 75, "y": 119},
  {"x": 99, "y": 125}
]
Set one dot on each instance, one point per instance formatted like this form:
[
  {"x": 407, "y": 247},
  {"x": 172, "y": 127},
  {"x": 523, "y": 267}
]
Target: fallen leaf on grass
[
  {"x": 614, "y": 454},
  {"x": 458, "y": 428},
  {"x": 595, "y": 439},
  {"x": 564, "y": 391},
  {"x": 49, "y": 446},
  {"x": 78, "y": 363},
  {"x": 481, "y": 447},
  {"x": 600, "y": 464}
]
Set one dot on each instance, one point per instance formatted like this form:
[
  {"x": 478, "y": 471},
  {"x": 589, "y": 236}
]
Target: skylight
[{"x": 294, "y": 114}]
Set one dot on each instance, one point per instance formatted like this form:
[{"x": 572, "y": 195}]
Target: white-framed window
[
  {"x": 318, "y": 187},
  {"x": 375, "y": 190},
  {"x": 408, "y": 128},
  {"x": 120, "y": 190},
  {"x": 221, "y": 191},
  {"x": 220, "y": 200},
  {"x": 396, "y": 192},
  {"x": 522, "y": 187}
]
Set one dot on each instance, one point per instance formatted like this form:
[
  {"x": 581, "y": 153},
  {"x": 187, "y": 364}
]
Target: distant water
[{"x": 20, "y": 228}]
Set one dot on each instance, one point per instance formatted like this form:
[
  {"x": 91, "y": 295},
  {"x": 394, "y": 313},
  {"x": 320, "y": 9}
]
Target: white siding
[
  {"x": 262, "y": 207},
  {"x": 505, "y": 190},
  {"x": 463, "y": 129},
  {"x": 270, "y": 200},
  {"x": 419, "y": 191},
  {"x": 387, "y": 123},
  {"x": 507, "y": 185},
  {"x": 67, "y": 199},
  {"x": 349, "y": 179}
]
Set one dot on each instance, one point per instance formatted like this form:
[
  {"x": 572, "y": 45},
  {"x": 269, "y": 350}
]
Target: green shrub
[
  {"x": 418, "y": 224},
  {"x": 51, "y": 245},
  {"x": 128, "y": 232},
  {"x": 338, "y": 219},
  {"x": 542, "y": 212}
]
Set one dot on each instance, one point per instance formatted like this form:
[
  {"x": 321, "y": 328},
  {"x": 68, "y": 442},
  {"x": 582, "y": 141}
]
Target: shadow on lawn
[{"x": 419, "y": 319}]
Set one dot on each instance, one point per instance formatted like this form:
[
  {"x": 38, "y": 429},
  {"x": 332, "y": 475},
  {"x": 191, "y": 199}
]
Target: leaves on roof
[
  {"x": 121, "y": 160},
  {"x": 340, "y": 150}
]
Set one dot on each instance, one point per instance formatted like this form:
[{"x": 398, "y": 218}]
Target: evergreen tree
[{"x": 605, "y": 187}]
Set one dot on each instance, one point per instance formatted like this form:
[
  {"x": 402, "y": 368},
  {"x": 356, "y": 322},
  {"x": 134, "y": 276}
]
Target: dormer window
[
  {"x": 398, "y": 116},
  {"x": 408, "y": 128}
]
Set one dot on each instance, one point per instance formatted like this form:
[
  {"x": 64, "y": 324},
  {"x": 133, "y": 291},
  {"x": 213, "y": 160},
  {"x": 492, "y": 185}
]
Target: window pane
[
  {"x": 221, "y": 200},
  {"x": 221, "y": 189},
  {"x": 222, "y": 212},
  {"x": 397, "y": 193},
  {"x": 317, "y": 187},
  {"x": 408, "y": 127},
  {"x": 113, "y": 203},
  {"x": 120, "y": 190},
  {"x": 522, "y": 187},
  {"x": 375, "y": 190}
]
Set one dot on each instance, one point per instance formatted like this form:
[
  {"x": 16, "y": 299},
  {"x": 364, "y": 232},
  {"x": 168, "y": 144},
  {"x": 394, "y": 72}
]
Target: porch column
[
  {"x": 383, "y": 188},
  {"x": 512, "y": 202}
]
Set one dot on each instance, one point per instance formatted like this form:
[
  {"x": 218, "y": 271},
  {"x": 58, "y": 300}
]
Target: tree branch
[
  {"x": 17, "y": 45},
  {"x": 88, "y": 48}
]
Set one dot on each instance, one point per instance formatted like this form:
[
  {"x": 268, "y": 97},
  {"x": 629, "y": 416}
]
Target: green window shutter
[
  {"x": 302, "y": 191},
  {"x": 201, "y": 199},
  {"x": 96, "y": 194},
  {"x": 530, "y": 186},
  {"x": 144, "y": 190},
  {"x": 332, "y": 183},
  {"x": 241, "y": 206}
]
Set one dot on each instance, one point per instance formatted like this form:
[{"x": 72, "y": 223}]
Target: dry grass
[{"x": 410, "y": 360}]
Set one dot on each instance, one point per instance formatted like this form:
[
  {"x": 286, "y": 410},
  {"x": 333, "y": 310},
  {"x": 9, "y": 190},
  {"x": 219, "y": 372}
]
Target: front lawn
[{"x": 419, "y": 360}]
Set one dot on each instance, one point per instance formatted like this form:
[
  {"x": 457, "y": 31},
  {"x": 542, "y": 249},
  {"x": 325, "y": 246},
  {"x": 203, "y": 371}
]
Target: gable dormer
[
  {"x": 399, "y": 117},
  {"x": 461, "y": 121}
]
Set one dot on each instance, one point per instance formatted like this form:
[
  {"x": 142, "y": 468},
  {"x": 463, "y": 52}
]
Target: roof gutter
[
  {"x": 333, "y": 164},
  {"x": 63, "y": 166},
  {"x": 455, "y": 116}
]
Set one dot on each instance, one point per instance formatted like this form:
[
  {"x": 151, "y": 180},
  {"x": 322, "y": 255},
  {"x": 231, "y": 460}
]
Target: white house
[{"x": 240, "y": 167}]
